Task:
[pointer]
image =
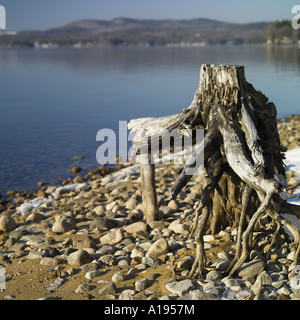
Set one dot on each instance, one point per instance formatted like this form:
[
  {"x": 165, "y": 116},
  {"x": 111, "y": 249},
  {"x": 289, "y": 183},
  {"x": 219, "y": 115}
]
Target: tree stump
[{"x": 243, "y": 160}]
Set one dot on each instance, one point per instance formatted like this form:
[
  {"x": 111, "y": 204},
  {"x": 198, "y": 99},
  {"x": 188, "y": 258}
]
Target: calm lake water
[{"x": 54, "y": 101}]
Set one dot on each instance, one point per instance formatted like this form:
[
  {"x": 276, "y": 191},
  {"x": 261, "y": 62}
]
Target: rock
[
  {"x": 76, "y": 169},
  {"x": 222, "y": 265},
  {"x": 166, "y": 297},
  {"x": 232, "y": 284},
  {"x": 127, "y": 294},
  {"x": 99, "y": 223},
  {"x": 124, "y": 262},
  {"x": 157, "y": 225},
  {"x": 113, "y": 237},
  {"x": 291, "y": 255},
  {"x": 136, "y": 227},
  {"x": 179, "y": 228},
  {"x": 213, "y": 275},
  {"x": 79, "y": 258},
  {"x": 48, "y": 261},
  {"x": 251, "y": 269},
  {"x": 35, "y": 217},
  {"x": 131, "y": 204},
  {"x": 217, "y": 290},
  {"x": 209, "y": 285},
  {"x": 106, "y": 249},
  {"x": 9, "y": 297},
  {"x": 120, "y": 253},
  {"x": 198, "y": 295},
  {"x": 284, "y": 290},
  {"x": 257, "y": 287},
  {"x": 137, "y": 253},
  {"x": 173, "y": 204},
  {"x": 108, "y": 289},
  {"x": 41, "y": 193},
  {"x": 151, "y": 262},
  {"x": 64, "y": 225},
  {"x": 34, "y": 255},
  {"x": 118, "y": 277},
  {"x": 265, "y": 278},
  {"x": 223, "y": 255},
  {"x": 243, "y": 294},
  {"x": 111, "y": 205},
  {"x": 180, "y": 288},
  {"x": 83, "y": 288},
  {"x": 103, "y": 223},
  {"x": 295, "y": 283},
  {"x": 7, "y": 223},
  {"x": 208, "y": 238},
  {"x": 186, "y": 263},
  {"x": 18, "y": 233},
  {"x": 108, "y": 259},
  {"x": 93, "y": 274},
  {"x": 173, "y": 224},
  {"x": 55, "y": 284},
  {"x": 141, "y": 284},
  {"x": 88, "y": 243},
  {"x": 158, "y": 248},
  {"x": 99, "y": 210},
  {"x": 296, "y": 270},
  {"x": 85, "y": 268}
]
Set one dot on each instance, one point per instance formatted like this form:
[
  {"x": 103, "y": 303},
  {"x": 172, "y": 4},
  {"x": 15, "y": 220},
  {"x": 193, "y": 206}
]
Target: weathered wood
[
  {"x": 147, "y": 171},
  {"x": 244, "y": 171}
]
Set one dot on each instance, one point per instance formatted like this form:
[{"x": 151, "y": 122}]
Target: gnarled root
[
  {"x": 200, "y": 254},
  {"x": 245, "y": 202},
  {"x": 245, "y": 238}
]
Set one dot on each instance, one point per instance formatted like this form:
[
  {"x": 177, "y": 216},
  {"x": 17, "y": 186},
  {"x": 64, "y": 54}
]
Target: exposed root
[
  {"x": 199, "y": 263},
  {"x": 245, "y": 202},
  {"x": 246, "y": 235}
]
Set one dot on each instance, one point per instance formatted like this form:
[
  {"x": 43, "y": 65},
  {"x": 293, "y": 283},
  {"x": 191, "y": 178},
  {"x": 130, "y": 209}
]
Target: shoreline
[
  {"x": 288, "y": 138},
  {"x": 87, "y": 240},
  {"x": 45, "y": 46}
]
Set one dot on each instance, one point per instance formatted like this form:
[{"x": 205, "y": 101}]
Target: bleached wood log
[{"x": 147, "y": 171}]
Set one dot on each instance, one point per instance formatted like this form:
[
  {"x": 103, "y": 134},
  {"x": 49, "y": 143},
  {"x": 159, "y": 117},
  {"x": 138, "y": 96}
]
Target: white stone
[
  {"x": 158, "y": 248},
  {"x": 137, "y": 253},
  {"x": 93, "y": 274},
  {"x": 113, "y": 237},
  {"x": 110, "y": 206},
  {"x": 118, "y": 277},
  {"x": 208, "y": 238}
]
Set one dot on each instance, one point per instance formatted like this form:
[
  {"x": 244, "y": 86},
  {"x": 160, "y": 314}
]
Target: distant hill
[
  {"x": 132, "y": 32},
  {"x": 119, "y": 24}
]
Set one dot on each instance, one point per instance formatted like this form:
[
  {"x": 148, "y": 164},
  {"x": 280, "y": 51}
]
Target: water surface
[{"x": 54, "y": 101}]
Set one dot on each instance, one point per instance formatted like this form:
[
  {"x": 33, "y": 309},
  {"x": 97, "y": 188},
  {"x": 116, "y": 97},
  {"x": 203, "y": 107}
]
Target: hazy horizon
[{"x": 36, "y": 15}]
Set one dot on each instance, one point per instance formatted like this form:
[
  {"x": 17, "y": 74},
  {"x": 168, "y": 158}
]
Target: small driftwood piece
[
  {"x": 244, "y": 173},
  {"x": 147, "y": 171}
]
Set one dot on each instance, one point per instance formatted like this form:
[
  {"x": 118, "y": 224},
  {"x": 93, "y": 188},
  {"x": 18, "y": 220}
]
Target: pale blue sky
[{"x": 44, "y": 14}]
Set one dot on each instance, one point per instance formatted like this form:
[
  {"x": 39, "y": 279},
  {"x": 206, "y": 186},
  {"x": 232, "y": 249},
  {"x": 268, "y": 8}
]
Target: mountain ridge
[
  {"x": 121, "y": 23},
  {"x": 123, "y": 31}
]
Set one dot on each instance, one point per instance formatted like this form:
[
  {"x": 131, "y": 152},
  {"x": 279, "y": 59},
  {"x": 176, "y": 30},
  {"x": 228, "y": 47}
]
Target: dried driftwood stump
[{"x": 244, "y": 174}]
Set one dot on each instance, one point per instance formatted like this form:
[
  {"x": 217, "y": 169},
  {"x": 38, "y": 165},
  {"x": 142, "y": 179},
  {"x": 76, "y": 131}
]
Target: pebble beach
[{"x": 86, "y": 240}]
